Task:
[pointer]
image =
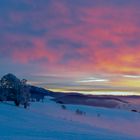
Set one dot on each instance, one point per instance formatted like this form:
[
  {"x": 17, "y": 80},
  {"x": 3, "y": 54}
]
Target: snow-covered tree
[
  {"x": 12, "y": 84},
  {"x": 3, "y": 94},
  {"x": 24, "y": 93},
  {"x": 11, "y": 88}
]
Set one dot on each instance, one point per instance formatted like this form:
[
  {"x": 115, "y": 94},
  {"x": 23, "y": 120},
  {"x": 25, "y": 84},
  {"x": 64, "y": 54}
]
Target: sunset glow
[{"x": 74, "y": 45}]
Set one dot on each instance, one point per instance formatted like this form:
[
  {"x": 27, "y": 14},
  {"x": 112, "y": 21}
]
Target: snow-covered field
[{"x": 50, "y": 121}]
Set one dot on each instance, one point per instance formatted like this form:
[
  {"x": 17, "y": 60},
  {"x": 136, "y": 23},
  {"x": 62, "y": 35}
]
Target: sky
[{"x": 79, "y": 45}]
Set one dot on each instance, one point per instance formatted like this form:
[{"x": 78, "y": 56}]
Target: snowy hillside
[{"x": 52, "y": 121}]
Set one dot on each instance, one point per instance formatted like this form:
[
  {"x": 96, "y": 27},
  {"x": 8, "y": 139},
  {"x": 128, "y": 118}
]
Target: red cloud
[
  {"x": 38, "y": 51},
  {"x": 109, "y": 36}
]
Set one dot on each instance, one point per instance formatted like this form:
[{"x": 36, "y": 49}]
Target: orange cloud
[{"x": 90, "y": 39}]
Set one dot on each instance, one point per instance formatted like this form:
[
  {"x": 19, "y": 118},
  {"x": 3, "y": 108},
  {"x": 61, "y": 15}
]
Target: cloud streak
[{"x": 93, "y": 37}]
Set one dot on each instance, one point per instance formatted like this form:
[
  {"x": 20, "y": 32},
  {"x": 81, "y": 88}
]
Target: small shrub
[
  {"x": 98, "y": 115},
  {"x": 63, "y": 107},
  {"x": 133, "y": 110},
  {"x": 59, "y": 102},
  {"x": 79, "y": 112}
]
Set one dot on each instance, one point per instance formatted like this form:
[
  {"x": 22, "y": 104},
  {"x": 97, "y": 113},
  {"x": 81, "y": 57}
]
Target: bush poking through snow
[
  {"x": 98, "y": 115},
  {"x": 59, "y": 102},
  {"x": 133, "y": 110},
  {"x": 79, "y": 112},
  {"x": 63, "y": 107}
]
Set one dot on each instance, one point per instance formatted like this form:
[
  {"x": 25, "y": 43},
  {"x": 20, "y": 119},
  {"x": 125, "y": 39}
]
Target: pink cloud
[{"x": 104, "y": 32}]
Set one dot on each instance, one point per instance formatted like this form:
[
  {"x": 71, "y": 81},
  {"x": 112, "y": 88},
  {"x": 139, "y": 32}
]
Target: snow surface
[{"x": 49, "y": 121}]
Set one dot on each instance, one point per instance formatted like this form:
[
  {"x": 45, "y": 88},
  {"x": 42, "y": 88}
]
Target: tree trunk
[
  {"x": 25, "y": 105},
  {"x": 17, "y": 103}
]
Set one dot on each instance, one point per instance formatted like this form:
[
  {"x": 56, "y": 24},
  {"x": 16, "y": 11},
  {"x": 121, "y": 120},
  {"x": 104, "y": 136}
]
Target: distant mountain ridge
[{"x": 38, "y": 94}]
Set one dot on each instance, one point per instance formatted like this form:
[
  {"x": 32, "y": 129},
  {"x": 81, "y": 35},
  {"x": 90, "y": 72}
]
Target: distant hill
[{"x": 38, "y": 94}]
